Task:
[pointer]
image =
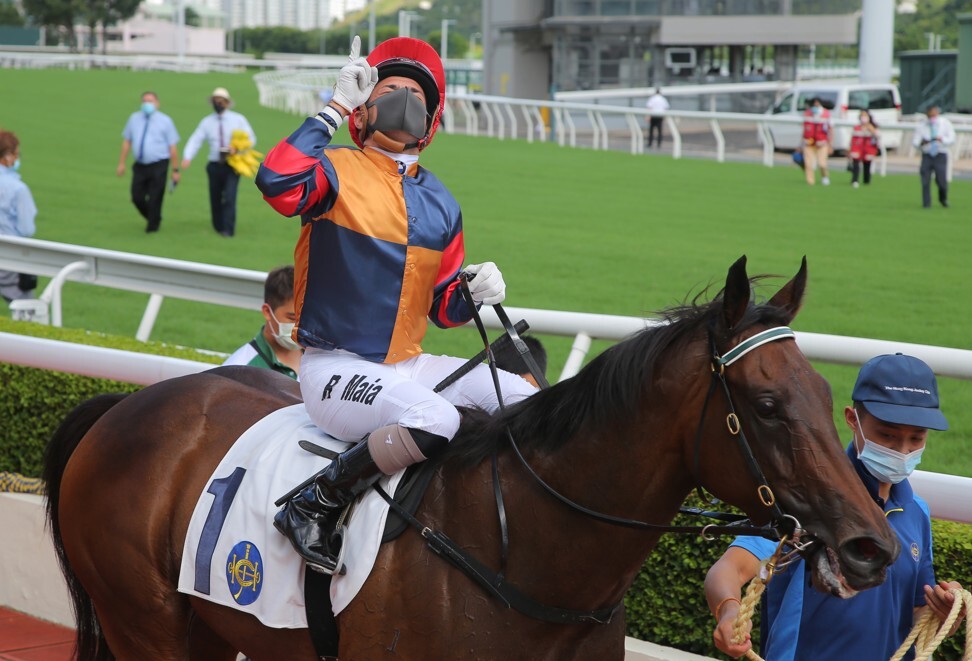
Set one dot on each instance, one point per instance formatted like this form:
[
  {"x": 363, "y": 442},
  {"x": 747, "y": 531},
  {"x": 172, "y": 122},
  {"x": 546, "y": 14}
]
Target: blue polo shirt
[
  {"x": 800, "y": 623},
  {"x": 151, "y": 136}
]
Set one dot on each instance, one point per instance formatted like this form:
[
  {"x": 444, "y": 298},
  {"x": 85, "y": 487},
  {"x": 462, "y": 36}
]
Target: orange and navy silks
[
  {"x": 379, "y": 252},
  {"x": 816, "y": 129},
  {"x": 864, "y": 146}
]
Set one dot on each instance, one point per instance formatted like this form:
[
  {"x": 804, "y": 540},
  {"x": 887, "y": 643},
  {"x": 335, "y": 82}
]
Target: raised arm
[{"x": 292, "y": 177}]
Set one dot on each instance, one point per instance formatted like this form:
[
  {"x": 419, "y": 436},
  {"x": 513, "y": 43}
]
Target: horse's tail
[{"x": 91, "y": 643}]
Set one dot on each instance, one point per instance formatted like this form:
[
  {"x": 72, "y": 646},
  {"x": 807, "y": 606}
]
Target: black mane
[{"x": 610, "y": 387}]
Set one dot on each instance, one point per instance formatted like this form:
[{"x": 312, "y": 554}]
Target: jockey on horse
[{"x": 380, "y": 252}]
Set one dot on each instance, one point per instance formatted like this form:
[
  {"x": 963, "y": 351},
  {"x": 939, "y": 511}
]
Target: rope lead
[{"x": 926, "y": 635}]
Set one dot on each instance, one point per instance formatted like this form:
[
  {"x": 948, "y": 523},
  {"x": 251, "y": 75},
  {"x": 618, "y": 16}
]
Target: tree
[
  {"x": 193, "y": 18},
  {"x": 58, "y": 16},
  {"x": 457, "y": 47},
  {"x": 106, "y": 13},
  {"x": 931, "y": 16},
  {"x": 9, "y": 15}
]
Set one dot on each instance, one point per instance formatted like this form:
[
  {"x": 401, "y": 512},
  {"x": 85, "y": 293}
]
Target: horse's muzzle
[{"x": 863, "y": 560}]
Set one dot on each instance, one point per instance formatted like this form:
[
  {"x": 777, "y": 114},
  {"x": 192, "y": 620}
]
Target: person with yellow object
[
  {"x": 218, "y": 129},
  {"x": 243, "y": 158}
]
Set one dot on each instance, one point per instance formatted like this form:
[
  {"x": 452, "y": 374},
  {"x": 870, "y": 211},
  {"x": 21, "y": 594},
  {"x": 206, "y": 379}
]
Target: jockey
[{"x": 380, "y": 252}]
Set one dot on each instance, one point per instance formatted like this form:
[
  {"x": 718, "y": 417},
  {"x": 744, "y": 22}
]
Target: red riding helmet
[{"x": 415, "y": 59}]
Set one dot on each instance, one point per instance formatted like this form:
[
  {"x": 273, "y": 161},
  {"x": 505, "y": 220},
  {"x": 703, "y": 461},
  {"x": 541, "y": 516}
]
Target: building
[
  {"x": 535, "y": 47},
  {"x": 299, "y": 14}
]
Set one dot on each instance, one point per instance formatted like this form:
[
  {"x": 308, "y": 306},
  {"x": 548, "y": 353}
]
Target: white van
[{"x": 845, "y": 101}]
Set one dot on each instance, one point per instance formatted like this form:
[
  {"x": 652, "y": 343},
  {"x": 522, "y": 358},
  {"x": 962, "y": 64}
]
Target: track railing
[{"x": 205, "y": 283}]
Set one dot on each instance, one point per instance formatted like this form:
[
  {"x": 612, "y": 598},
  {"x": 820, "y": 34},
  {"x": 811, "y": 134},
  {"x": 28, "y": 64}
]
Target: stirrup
[{"x": 335, "y": 565}]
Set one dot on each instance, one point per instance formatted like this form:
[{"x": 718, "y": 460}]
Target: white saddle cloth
[{"x": 234, "y": 556}]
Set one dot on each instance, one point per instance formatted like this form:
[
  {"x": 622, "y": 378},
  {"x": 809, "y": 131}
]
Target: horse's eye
[{"x": 765, "y": 407}]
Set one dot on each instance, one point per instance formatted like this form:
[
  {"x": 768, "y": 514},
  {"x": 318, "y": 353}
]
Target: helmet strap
[{"x": 389, "y": 144}]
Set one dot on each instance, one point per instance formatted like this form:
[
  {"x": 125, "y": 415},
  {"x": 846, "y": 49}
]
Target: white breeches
[{"x": 349, "y": 397}]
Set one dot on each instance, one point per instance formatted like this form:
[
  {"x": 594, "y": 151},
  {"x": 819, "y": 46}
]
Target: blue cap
[{"x": 901, "y": 390}]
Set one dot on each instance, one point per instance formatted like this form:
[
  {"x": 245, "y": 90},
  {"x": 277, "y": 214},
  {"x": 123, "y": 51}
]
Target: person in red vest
[
  {"x": 817, "y": 131},
  {"x": 863, "y": 148}
]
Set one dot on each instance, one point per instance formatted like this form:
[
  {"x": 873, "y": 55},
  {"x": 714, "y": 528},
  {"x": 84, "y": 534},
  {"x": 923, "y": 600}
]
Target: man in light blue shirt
[
  {"x": 934, "y": 136},
  {"x": 151, "y": 136},
  {"x": 17, "y": 213},
  {"x": 217, "y": 129}
]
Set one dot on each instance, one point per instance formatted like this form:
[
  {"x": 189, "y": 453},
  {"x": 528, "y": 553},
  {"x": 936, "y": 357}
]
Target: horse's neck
[{"x": 576, "y": 559}]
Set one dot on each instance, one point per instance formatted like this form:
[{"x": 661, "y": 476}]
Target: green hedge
[
  {"x": 666, "y": 604},
  {"x": 33, "y": 402}
]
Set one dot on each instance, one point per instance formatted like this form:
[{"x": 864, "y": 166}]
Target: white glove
[
  {"x": 488, "y": 286},
  {"x": 356, "y": 80}
]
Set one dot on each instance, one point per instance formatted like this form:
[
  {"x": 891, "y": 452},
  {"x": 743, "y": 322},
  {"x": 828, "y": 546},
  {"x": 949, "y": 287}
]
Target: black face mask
[
  {"x": 401, "y": 110},
  {"x": 218, "y": 107}
]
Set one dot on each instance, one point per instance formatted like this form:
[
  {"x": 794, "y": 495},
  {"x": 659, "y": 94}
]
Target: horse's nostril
[{"x": 867, "y": 549}]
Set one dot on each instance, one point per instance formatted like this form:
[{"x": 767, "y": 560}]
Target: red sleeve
[{"x": 292, "y": 176}]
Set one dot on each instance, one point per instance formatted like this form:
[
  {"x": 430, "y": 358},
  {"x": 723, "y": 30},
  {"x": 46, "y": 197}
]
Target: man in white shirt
[
  {"x": 217, "y": 129},
  {"x": 656, "y": 103},
  {"x": 933, "y": 136}
]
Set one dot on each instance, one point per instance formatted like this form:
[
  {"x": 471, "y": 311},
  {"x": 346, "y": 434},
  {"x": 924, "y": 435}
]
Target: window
[
  {"x": 827, "y": 99},
  {"x": 874, "y": 99},
  {"x": 881, "y": 100},
  {"x": 858, "y": 100},
  {"x": 785, "y": 104}
]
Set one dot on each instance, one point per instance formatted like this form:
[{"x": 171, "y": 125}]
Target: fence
[
  {"x": 221, "y": 285},
  {"x": 159, "y": 277},
  {"x": 599, "y": 125}
]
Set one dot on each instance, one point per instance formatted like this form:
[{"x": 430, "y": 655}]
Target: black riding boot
[{"x": 308, "y": 519}]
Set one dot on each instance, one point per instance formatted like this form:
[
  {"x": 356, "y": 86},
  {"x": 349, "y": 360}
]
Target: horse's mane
[{"x": 609, "y": 387}]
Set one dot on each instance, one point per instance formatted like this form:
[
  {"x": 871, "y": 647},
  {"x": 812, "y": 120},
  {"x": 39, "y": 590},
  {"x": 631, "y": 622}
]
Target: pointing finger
[{"x": 355, "y": 48}]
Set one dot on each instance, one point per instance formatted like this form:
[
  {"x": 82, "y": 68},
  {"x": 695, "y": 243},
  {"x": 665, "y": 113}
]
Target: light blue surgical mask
[
  {"x": 16, "y": 165},
  {"x": 816, "y": 110},
  {"x": 887, "y": 465},
  {"x": 148, "y": 107}
]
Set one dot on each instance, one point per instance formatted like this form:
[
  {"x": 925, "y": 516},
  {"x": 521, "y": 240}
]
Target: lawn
[{"x": 572, "y": 229}]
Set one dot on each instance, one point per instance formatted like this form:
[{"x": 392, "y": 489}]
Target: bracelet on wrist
[{"x": 718, "y": 609}]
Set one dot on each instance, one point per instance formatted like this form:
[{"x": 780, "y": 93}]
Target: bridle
[{"x": 782, "y": 526}]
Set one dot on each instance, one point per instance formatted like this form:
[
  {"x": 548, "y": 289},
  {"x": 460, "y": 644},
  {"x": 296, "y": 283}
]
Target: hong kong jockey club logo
[
  {"x": 915, "y": 553},
  {"x": 244, "y": 573}
]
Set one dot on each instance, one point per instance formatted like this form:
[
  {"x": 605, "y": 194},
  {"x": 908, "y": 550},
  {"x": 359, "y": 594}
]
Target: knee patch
[
  {"x": 429, "y": 444},
  {"x": 394, "y": 447}
]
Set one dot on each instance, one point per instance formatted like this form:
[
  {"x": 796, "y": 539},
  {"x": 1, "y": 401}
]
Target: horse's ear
[
  {"x": 790, "y": 297},
  {"x": 735, "y": 297}
]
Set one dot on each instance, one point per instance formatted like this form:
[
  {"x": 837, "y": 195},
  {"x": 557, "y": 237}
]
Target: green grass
[{"x": 572, "y": 229}]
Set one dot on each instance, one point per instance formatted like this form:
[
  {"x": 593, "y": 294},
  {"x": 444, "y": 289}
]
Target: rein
[{"x": 495, "y": 583}]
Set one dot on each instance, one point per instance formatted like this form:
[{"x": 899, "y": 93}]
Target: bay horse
[{"x": 630, "y": 435}]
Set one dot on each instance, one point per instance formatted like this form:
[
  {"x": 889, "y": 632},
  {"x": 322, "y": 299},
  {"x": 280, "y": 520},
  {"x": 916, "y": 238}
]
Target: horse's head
[{"x": 785, "y": 415}]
